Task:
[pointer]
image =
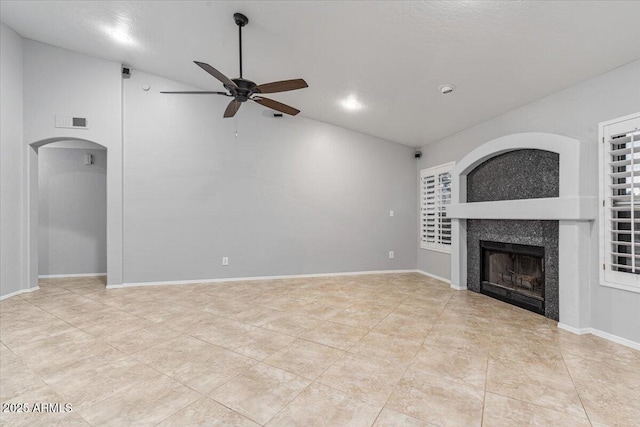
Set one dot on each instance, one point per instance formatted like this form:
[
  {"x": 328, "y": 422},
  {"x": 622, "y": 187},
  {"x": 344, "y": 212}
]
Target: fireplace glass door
[{"x": 513, "y": 273}]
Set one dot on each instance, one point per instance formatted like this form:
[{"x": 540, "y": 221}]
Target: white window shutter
[
  {"x": 435, "y": 195},
  {"x": 444, "y": 199},
  {"x": 428, "y": 209},
  {"x": 620, "y": 193}
]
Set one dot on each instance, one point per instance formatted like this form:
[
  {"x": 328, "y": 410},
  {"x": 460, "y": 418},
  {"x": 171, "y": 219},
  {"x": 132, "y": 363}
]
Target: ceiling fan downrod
[{"x": 241, "y": 20}]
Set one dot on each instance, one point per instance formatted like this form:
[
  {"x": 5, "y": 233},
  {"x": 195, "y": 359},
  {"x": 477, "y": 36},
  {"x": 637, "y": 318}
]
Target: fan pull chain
[{"x": 236, "y": 127}]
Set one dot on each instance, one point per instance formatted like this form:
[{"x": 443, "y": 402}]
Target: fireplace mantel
[{"x": 553, "y": 208}]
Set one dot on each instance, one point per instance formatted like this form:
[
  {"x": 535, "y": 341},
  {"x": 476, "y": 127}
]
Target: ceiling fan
[{"x": 242, "y": 89}]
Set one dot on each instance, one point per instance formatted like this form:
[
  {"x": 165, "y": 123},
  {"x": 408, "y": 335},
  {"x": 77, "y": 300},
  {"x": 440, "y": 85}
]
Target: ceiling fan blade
[
  {"x": 187, "y": 92},
  {"x": 281, "y": 86},
  {"x": 215, "y": 73},
  {"x": 232, "y": 108},
  {"x": 275, "y": 105}
]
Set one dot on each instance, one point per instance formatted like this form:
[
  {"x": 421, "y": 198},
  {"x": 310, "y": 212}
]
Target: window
[
  {"x": 620, "y": 202},
  {"x": 435, "y": 195}
]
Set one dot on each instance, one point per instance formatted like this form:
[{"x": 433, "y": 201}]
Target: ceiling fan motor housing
[{"x": 245, "y": 88}]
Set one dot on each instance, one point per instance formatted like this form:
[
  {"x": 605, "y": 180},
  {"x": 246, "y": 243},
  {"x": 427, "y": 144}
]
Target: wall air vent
[{"x": 71, "y": 122}]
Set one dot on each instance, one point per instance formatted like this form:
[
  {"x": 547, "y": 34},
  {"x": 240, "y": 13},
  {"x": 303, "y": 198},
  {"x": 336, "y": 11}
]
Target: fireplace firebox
[{"x": 513, "y": 273}]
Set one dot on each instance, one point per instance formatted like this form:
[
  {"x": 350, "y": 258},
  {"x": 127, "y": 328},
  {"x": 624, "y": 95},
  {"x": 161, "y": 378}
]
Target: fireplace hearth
[{"x": 513, "y": 273}]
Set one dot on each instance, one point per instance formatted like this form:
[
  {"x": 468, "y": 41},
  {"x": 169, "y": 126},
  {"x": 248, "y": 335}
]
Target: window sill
[
  {"x": 620, "y": 286},
  {"x": 444, "y": 251}
]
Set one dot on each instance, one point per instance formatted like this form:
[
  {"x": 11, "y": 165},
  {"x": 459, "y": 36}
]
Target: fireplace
[
  {"x": 556, "y": 212},
  {"x": 522, "y": 179},
  {"x": 513, "y": 273}
]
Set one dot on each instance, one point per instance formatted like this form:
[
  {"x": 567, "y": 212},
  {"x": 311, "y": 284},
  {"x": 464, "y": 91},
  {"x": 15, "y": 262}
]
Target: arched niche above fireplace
[{"x": 515, "y": 175}]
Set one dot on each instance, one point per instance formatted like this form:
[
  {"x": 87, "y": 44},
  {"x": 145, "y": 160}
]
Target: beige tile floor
[{"x": 382, "y": 350}]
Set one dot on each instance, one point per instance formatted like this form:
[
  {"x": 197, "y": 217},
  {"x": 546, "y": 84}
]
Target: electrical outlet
[
  {"x": 391, "y": 213},
  {"x": 392, "y": 255},
  {"x": 225, "y": 260}
]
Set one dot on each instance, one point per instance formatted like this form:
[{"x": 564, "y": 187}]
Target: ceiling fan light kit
[{"x": 242, "y": 89}]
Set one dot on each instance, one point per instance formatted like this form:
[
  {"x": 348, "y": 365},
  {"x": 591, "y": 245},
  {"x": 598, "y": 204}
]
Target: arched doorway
[{"x": 113, "y": 231}]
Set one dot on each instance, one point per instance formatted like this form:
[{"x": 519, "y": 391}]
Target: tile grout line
[
  {"x": 484, "y": 396},
  {"x": 546, "y": 408},
  {"x": 289, "y": 402},
  {"x": 574, "y": 384}
]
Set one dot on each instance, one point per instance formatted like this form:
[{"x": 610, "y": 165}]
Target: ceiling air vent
[{"x": 71, "y": 122}]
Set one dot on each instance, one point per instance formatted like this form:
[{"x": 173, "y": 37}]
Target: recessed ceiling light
[
  {"x": 447, "y": 88},
  {"x": 351, "y": 104},
  {"x": 120, "y": 36},
  {"x": 119, "y": 33}
]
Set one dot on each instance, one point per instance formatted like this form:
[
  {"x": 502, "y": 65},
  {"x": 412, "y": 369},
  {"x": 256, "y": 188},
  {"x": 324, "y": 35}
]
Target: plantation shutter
[
  {"x": 444, "y": 199},
  {"x": 435, "y": 195},
  {"x": 428, "y": 209},
  {"x": 621, "y": 202}
]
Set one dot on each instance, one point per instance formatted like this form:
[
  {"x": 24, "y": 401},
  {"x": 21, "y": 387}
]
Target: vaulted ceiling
[{"x": 390, "y": 56}]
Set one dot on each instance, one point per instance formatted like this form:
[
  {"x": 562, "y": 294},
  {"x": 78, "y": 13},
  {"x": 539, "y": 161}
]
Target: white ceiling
[{"x": 392, "y": 56}]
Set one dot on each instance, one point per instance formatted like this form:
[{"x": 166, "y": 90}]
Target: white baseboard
[
  {"x": 601, "y": 334},
  {"x": 615, "y": 338},
  {"x": 433, "y": 276},
  {"x": 58, "y": 276},
  {"x": 21, "y": 291},
  {"x": 248, "y": 279},
  {"x": 577, "y": 331}
]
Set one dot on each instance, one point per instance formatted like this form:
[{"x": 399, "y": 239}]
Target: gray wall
[
  {"x": 12, "y": 221},
  {"x": 574, "y": 112},
  {"x": 72, "y": 211},
  {"x": 287, "y": 196}
]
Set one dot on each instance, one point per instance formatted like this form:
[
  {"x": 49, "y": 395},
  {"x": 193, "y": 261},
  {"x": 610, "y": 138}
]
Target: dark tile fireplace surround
[{"x": 520, "y": 263}]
